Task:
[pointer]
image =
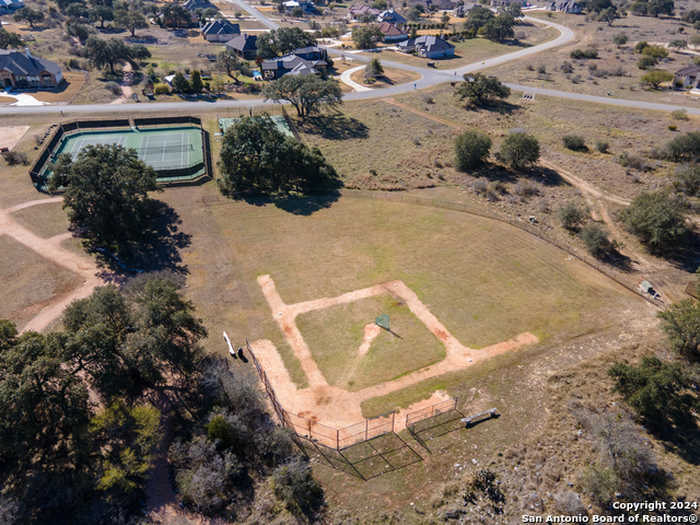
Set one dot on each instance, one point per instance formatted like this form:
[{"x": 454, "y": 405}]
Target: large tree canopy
[
  {"x": 308, "y": 94},
  {"x": 127, "y": 343},
  {"x": 481, "y": 90},
  {"x": 282, "y": 41},
  {"x": 106, "y": 193},
  {"x": 658, "y": 220},
  {"x": 256, "y": 157}
]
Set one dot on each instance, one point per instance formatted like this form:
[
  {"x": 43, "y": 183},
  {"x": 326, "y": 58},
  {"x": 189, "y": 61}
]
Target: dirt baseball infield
[{"x": 333, "y": 406}]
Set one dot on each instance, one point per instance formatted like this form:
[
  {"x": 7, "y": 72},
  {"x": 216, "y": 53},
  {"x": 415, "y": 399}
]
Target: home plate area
[{"x": 325, "y": 409}]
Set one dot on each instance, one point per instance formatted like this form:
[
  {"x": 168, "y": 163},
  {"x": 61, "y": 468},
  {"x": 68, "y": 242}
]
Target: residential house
[
  {"x": 220, "y": 31},
  {"x": 310, "y": 60},
  {"x": 22, "y": 70},
  {"x": 392, "y": 17},
  {"x": 8, "y": 6},
  {"x": 306, "y": 5},
  {"x": 362, "y": 12},
  {"x": 312, "y": 53},
  {"x": 392, "y": 33},
  {"x": 287, "y": 65},
  {"x": 567, "y": 6},
  {"x": 440, "y": 5},
  {"x": 244, "y": 45},
  {"x": 428, "y": 46},
  {"x": 688, "y": 77},
  {"x": 462, "y": 10},
  {"x": 193, "y": 5}
]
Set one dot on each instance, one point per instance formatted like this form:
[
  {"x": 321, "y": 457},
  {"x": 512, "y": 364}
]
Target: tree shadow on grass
[
  {"x": 335, "y": 127},
  {"x": 496, "y": 172},
  {"x": 496, "y": 106},
  {"x": 155, "y": 248},
  {"x": 294, "y": 204}
]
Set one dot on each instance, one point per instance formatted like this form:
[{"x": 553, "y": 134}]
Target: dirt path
[
  {"x": 323, "y": 404},
  {"x": 52, "y": 250}
]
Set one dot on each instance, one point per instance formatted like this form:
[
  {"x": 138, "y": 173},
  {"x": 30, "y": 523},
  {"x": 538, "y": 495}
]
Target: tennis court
[
  {"x": 279, "y": 120},
  {"x": 164, "y": 149}
]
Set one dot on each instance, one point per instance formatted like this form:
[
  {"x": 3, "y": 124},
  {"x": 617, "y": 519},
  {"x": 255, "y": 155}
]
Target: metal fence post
[
  {"x": 393, "y": 418},
  {"x": 337, "y": 439},
  {"x": 366, "y": 427}
]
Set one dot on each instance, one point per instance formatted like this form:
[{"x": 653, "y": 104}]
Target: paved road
[{"x": 429, "y": 78}]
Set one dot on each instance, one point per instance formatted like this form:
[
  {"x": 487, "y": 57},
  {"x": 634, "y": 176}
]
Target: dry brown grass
[
  {"x": 390, "y": 77},
  {"x": 585, "y": 79},
  {"x": 75, "y": 79},
  {"x": 29, "y": 282}
]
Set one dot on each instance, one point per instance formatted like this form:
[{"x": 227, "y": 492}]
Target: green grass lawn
[
  {"x": 485, "y": 280},
  {"x": 334, "y": 335}
]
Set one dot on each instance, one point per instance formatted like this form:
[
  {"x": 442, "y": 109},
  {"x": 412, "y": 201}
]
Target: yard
[
  {"x": 29, "y": 281},
  {"x": 615, "y": 72}
]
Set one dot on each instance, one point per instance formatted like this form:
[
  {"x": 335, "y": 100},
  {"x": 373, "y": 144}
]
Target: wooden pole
[
  {"x": 337, "y": 439},
  {"x": 366, "y": 428},
  {"x": 393, "y": 418}
]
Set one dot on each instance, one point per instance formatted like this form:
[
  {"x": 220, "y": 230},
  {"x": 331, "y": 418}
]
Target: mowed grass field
[
  {"x": 334, "y": 336},
  {"x": 29, "y": 281},
  {"x": 485, "y": 280}
]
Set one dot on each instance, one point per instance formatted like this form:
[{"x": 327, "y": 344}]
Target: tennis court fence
[{"x": 167, "y": 177}]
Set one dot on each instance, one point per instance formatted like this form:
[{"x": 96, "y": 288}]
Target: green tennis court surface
[
  {"x": 162, "y": 149},
  {"x": 279, "y": 120}
]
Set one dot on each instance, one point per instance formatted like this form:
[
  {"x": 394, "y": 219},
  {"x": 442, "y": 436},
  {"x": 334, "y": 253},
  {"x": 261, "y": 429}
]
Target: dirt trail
[
  {"x": 332, "y": 405},
  {"x": 51, "y": 249}
]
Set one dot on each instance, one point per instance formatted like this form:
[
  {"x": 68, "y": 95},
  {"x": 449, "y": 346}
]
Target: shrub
[
  {"x": 681, "y": 322},
  {"x": 645, "y": 62},
  {"x": 657, "y": 52},
  {"x": 567, "y": 68},
  {"x": 519, "y": 150},
  {"x": 480, "y": 186},
  {"x": 657, "y": 219},
  {"x": 620, "y": 39},
  {"x": 639, "y": 47},
  {"x": 655, "y": 390},
  {"x": 572, "y": 216},
  {"x": 15, "y": 157},
  {"x": 471, "y": 149},
  {"x": 583, "y": 54},
  {"x": 602, "y": 146},
  {"x": 525, "y": 189},
  {"x": 161, "y": 89},
  {"x": 656, "y": 77},
  {"x": 113, "y": 88},
  {"x": 574, "y": 142},
  {"x": 597, "y": 241},
  {"x": 294, "y": 485},
  {"x": 684, "y": 148},
  {"x": 633, "y": 161},
  {"x": 679, "y": 114},
  {"x": 686, "y": 179}
]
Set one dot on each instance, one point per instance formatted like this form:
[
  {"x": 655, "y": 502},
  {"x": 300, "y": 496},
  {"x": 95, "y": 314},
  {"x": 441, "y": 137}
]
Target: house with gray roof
[
  {"x": 275, "y": 68},
  {"x": 392, "y": 17},
  {"x": 311, "y": 60},
  {"x": 567, "y": 6},
  {"x": 244, "y": 45},
  {"x": 8, "y": 6},
  {"x": 220, "y": 31},
  {"x": 428, "y": 46},
  {"x": 362, "y": 12},
  {"x": 193, "y": 5},
  {"x": 687, "y": 77},
  {"x": 22, "y": 70}
]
